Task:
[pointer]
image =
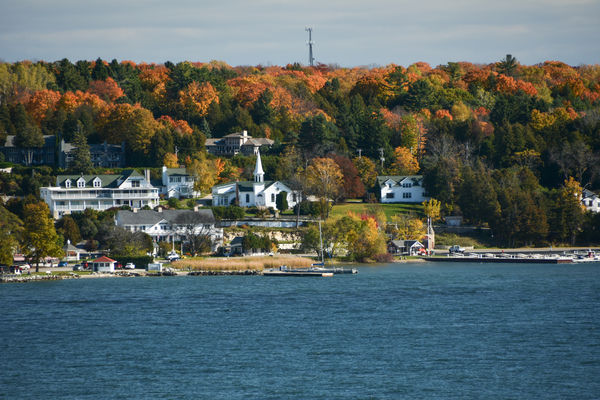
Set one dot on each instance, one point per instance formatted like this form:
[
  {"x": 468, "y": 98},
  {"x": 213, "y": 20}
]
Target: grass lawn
[{"x": 340, "y": 210}]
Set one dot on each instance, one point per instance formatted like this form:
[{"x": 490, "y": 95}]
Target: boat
[{"x": 285, "y": 271}]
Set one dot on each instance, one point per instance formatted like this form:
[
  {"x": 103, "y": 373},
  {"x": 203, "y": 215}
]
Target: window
[
  {"x": 80, "y": 183},
  {"x": 97, "y": 182},
  {"x": 247, "y": 198},
  {"x": 407, "y": 184},
  {"x": 135, "y": 183},
  {"x": 406, "y": 195},
  {"x": 68, "y": 183},
  {"x": 389, "y": 195},
  {"x": 294, "y": 197},
  {"x": 273, "y": 197}
]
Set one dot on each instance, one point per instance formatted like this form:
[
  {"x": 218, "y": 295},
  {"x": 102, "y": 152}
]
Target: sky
[{"x": 269, "y": 32}]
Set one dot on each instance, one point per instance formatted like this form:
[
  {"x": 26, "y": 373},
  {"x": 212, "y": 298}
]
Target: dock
[{"x": 512, "y": 260}]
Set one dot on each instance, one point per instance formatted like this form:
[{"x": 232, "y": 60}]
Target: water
[{"x": 416, "y": 331}]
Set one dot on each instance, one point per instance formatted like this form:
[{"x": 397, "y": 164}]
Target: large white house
[
  {"x": 401, "y": 189},
  {"x": 99, "y": 192},
  {"x": 171, "y": 225},
  {"x": 590, "y": 201},
  {"x": 259, "y": 193},
  {"x": 177, "y": 182}
]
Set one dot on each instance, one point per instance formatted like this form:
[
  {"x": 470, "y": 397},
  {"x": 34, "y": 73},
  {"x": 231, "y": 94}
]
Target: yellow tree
[
  {"x": 325, "y": 180},
  {"x": 206, "y": 172},
  {"x": 366, "y": 170},
  {"x": 198, "y": 97},
  {"x": 405, "y": 163},
  {"x": 170, "y": 160},
  {"x": 406, "y": 227},
  {"x": 40, "y": 239},
  {"x": 431, "y": 208}
]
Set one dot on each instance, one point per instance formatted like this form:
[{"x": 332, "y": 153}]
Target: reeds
[{"x": 256, "y": 263}]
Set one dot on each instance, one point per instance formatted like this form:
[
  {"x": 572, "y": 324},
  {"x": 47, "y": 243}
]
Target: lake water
[{"x": 416, "y": 331}]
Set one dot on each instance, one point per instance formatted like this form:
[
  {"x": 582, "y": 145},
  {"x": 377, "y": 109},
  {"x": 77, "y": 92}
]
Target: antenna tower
[{"x": 311, "y": 59}]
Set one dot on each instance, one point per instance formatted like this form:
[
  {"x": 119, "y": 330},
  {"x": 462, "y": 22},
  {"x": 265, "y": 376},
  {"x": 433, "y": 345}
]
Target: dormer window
[
  {"x": 97, "y": 182},
  {"x": 68, "y": 183},
  {"x": 135, "y": 183},
  {"x": 80, "y": 182}
]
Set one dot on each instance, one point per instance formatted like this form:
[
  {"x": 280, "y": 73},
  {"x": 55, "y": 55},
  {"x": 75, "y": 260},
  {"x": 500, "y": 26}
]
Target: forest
[{"x": 505, "y": 145}]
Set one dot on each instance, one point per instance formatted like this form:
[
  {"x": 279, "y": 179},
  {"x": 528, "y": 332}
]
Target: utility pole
[{"x": 311, "y": 59}]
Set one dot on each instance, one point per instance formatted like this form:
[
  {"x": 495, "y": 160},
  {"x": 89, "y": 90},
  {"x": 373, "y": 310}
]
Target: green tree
[
  {"x": 82, "y": 159},
  {"x": 40, "y": 239},
  {"x": 67, "y": 227},
  {"x": 508, "y": 65},
  {"x": 10, "y": 230},
  {"x": 281, "y": 201}
]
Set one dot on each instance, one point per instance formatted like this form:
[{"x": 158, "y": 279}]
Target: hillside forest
[{"x": 507, "y": 146}]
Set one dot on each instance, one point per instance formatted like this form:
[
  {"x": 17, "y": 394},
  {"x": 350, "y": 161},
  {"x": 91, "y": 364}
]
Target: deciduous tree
[{"x": 40, "y": 239}]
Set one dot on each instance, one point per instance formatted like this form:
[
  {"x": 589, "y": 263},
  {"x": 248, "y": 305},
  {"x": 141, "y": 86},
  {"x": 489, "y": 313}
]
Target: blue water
[{"x": 412, "y": 331}]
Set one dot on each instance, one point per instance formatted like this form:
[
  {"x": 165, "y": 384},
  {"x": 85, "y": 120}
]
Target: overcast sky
[{"x": 270, "y": 32}]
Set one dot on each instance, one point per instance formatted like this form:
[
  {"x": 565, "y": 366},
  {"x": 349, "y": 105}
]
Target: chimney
[{"x": 147, "y": 175}]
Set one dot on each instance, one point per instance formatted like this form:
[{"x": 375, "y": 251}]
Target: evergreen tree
[{"x": 82, "y": 159}]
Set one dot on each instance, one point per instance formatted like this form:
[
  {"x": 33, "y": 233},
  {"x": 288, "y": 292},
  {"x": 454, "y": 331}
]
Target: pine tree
[{"x": 82, "y": 159}]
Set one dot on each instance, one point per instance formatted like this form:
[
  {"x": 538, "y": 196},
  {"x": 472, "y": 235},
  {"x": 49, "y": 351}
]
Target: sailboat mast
[{"x": 321, "y": 240}]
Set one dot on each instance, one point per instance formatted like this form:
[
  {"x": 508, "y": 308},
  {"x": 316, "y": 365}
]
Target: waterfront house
[
  {"x": 258, "y": 193},
  {"x": 401, "y": 189},
  {"x": 99, "y": 192},
  {"x": 590, "y": 201},
  {"x": 235, "y": 143},
  {"x": 177, "y": 182},
  {"x": 405, "y": 247},
  {"x": 104, "y": 264},
  {"x": 172, "y": 225}
]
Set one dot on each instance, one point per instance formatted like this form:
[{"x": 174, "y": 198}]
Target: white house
[
  {"x": 259, "y": 193},
  {"x": 103, "y": 264},
  {"x": 591, "y": 201},
  {"x": 171, "y": 225},
  {"x": 177, "y": 182},
  {"x": 235, "y": 143},
  {"x": 99, "y": 192},
  {"x": 401, "y": 189}
]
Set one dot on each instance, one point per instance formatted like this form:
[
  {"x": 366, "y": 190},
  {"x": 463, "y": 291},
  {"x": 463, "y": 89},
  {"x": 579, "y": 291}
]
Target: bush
[
  {"x": 308, "y": 208},
  {"x": 140, "y": 262},
  {"x": 383, "y": 258},
  {"x": 228, "y": 212},
  {"x": 173, "y": 202}
]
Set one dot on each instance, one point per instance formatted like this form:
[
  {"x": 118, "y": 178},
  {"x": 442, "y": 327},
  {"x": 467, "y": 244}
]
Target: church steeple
[{"x": 259, "y": 174}]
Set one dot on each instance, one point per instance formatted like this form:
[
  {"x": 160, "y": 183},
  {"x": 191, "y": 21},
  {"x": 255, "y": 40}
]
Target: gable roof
[
  {"x": 107, "y": 181},
  {"x": 174, "y": 217},
  {"x": 416, "y": 179},
  {"x": 177, "y": 172},
  {"x": 104, "y": 259}
]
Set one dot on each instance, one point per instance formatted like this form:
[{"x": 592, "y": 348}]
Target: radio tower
[{"x": 311, "y": 59}]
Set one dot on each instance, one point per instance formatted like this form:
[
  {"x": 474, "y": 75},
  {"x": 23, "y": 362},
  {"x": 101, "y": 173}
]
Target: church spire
[{"x": 259, "y": 174}]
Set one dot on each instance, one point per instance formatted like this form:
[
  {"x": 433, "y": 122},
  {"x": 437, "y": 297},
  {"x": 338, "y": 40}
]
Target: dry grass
[{"x": 241, "y": 263}]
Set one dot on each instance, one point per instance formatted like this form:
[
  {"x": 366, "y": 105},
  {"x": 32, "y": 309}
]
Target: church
[{"x": 257, "y": 193}]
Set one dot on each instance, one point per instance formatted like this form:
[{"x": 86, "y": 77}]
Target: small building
[
  {"x": 453, "y": 220},
  {"x": 401, "y": 189},
  {"x": 72, "y": 253},
  {"x": 177, "y": 182},
  {"x": 104, "y": 264},
  {"x": 235, "y": 143},
  {"x": 590, "y": 201},
  {"x": 405, "y": 247}
]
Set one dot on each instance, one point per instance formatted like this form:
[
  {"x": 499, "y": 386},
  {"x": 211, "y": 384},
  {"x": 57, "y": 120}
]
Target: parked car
[
  {"x": 77, "y": 267},
  {"x": 456, "y": 249},
  {"x": 63, "y": 264},
  {"x": 130, "y": 266},
  {"x": 173, "y": 256}
]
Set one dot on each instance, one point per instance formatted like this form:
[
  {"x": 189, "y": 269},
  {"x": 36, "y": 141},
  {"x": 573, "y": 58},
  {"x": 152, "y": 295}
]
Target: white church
[{"x": 258, "y": 193}]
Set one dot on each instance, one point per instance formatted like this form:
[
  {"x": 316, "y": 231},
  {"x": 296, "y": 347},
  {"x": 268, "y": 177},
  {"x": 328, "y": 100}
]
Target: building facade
[
  {"x": 177, "y": 182},
  {"x": 258, "y": 193},
  {"x": 590, "y": 201},
  {"x": 102, "y": 155},
  {"x": 44, "y": 155},
  {"x": 236, "y": 143},
  {"x": 172, "y": 225},
  {"x": 401, "y": 189},
  {"x": 99, "y": 192}
]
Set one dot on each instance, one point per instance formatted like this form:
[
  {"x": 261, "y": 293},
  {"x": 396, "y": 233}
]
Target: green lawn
[{"x": 340, "y": 210}]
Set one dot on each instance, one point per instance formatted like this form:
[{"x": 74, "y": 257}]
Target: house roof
[
  {"x": 416, "y": 179},
  {"x": 588, "y": 194},
  {"x": 174, "y": 217},
  {"x": 177, "y": 172},
  {"x": 104, "y": 259},
  {"x": 107, "y": 181},
  {"x": 48, "y": 141}
]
